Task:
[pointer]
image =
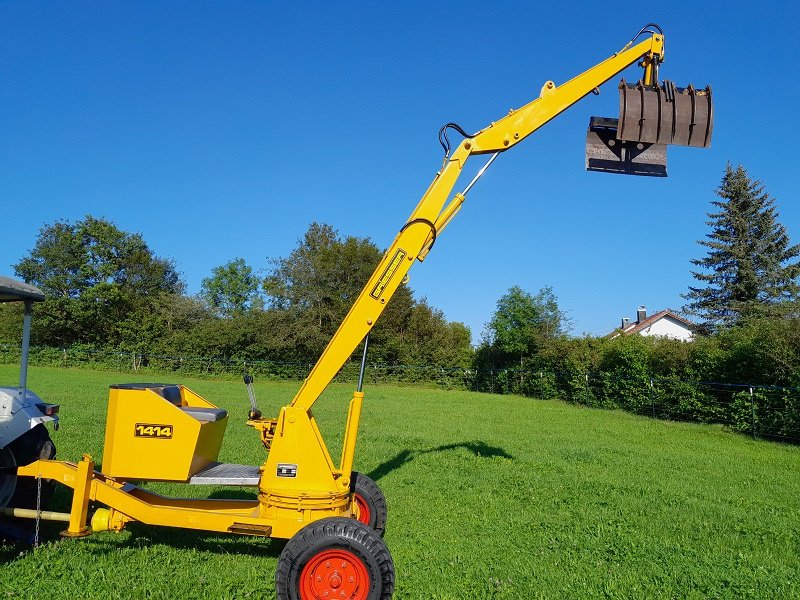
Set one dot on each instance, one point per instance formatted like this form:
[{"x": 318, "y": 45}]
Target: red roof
[{"x": 647, "y": 322}]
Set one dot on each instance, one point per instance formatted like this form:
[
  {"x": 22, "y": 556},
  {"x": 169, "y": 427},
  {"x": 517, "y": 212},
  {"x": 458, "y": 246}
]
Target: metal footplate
[{"x": 227, "y": 474}]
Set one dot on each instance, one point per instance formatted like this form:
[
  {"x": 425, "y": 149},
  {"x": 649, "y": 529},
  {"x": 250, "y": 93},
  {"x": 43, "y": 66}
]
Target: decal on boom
[{"x": 391, "y": 269}]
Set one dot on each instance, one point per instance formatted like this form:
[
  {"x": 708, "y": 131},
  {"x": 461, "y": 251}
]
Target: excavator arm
[
  {"x": 299, "y": 481},
  {"x": 431, "y": 216}
]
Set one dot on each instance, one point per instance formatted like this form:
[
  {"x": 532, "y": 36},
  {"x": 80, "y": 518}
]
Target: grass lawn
[{"x": 489, "y": 497}]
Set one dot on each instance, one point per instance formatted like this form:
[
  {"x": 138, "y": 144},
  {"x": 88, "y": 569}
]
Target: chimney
[
  {"x": 641, "y": 314},
  {"x": 625, "y": 322}
]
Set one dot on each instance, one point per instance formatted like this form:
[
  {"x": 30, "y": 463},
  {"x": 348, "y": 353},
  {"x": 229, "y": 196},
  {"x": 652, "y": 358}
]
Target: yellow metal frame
[{"x": 299, "y": 482}]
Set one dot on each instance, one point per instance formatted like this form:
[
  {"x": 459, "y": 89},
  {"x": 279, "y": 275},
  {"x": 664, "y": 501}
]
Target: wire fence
[
  {"x": 217, "y": 367},
  {"x": 762, "y": 411}
]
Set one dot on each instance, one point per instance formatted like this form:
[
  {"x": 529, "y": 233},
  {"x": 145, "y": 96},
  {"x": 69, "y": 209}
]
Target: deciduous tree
[
  {"x": 319, "y": 281},
  {"x": 521, "y": 319},
  {"x": 233, "y": 289},
  {"x": 96, "y": 277}
]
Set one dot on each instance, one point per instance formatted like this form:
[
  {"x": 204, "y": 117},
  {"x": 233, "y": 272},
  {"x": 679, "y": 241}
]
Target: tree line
[
  {"x": 107, "y": 290},
  {"x": 745, "y": 305}
]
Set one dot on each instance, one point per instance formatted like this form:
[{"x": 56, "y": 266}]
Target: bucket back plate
[
  {"x": 606, "y": 153},
  {"x": 665, "y": 114}
]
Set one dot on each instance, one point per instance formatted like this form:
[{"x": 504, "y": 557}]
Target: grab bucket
[{"x": 665, "y": 114}]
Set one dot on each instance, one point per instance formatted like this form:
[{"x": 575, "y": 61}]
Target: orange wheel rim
[
  {"x": 334, "y": 574},
  {"x": 364, "y": 514}
]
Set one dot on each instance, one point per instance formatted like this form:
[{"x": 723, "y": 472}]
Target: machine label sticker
[
  {"x": 149, "y": 430},
  {"x": 388, "y": 273},
  {"x": 287, "y": 470}
]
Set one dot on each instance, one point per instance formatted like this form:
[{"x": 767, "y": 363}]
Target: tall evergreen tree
[{"x": 751, "y": 268}]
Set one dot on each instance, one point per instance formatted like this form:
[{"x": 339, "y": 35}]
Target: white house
[{"x": 663, "y": 324}]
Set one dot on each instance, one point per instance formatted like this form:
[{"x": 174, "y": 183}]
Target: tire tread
[{"x": 333, "y": 532}]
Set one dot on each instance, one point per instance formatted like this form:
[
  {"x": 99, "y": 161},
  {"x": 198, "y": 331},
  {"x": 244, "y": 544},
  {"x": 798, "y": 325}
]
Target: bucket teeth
[{"x": 665, "y": 114}]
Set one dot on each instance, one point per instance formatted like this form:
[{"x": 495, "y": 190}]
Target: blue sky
[{"x": 222, "y": 129}]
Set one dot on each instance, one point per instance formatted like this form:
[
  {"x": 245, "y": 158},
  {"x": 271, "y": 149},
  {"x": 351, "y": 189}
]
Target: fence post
[
  {"x": 753, "y": 413},
  {"x": 587, "y": 388},
  {"x": 652, "y": 399}
]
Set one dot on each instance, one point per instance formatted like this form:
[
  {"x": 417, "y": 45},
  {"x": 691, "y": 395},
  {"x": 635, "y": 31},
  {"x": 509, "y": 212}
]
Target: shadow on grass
[
  {"x": 16, "y": 539},
  {"x": 140, "y": 536},
  {"x": 203, "y": 541},
  {"x": 478, "y": 448},
  {"x": 10, "y": 551},
  {"x": 17, "y": 535}
]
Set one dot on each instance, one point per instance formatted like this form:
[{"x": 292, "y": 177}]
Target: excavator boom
[{"x": 431, "y": 215}]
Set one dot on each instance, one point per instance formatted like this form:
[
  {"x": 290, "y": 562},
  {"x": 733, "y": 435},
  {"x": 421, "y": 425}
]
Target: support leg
[{"x": 80, "y": 499}]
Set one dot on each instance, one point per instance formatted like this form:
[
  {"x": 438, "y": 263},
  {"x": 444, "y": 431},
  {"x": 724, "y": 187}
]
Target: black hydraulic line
[
  {"x": 641, "y": 31},
  {"x": 646, "y": 30},
  {"x": 426, "y": 222},
  {"x": 445, "y": 141},
  {"x": 363, "y": 364}
]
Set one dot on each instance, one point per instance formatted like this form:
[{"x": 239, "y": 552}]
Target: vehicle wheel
[
  {"x": 371, "y": 502},
  {"x": 20, "y": 492},
  {"x": 332, "y": 558}
]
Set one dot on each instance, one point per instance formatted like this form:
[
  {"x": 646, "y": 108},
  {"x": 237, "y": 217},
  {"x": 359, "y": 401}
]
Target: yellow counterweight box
[{"x": 157, "y": 431}]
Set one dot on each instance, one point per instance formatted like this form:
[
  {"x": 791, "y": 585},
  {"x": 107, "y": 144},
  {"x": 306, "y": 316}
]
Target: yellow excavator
[{"x": 333, "y": 517}]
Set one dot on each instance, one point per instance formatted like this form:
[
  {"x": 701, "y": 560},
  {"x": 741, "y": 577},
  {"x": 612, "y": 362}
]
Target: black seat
[
  {"x": 206, "y": 415},
  {"x": 172, "y": 393}
]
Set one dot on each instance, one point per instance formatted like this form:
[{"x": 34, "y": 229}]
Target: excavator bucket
[
  {"x": 665, "y": 114},
  {"x": 608, "y": 154}
]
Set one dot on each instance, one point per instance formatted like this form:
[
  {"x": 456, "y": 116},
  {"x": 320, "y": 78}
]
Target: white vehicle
[{"x": 23, "y": 435}]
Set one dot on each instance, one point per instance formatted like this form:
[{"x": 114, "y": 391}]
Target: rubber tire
[
  {"x": 373, "y": 497},
  {"x": 331, "y": 534},
  {"x": 33, "y": 445}
]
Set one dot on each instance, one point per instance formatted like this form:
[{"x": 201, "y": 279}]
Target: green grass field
[{"x": 489, "y": 497}]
